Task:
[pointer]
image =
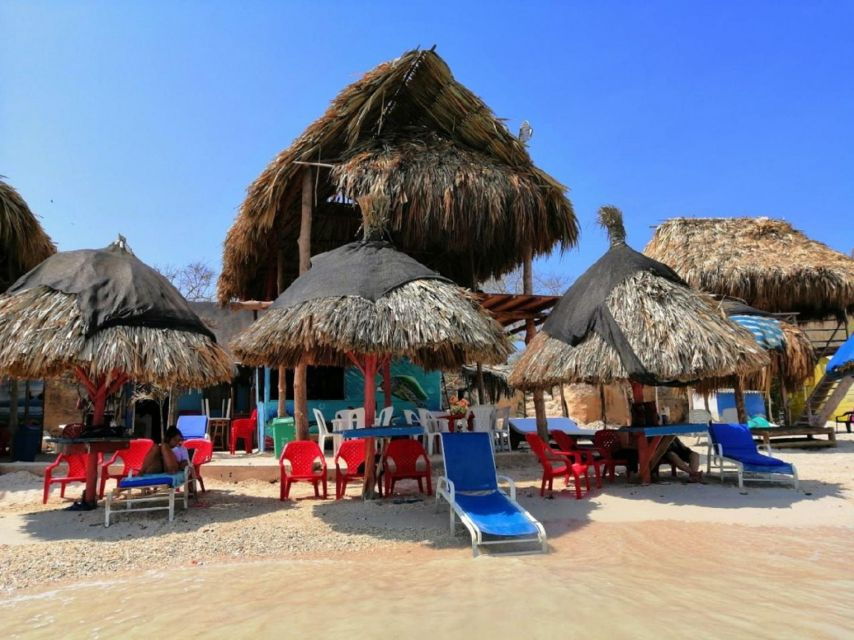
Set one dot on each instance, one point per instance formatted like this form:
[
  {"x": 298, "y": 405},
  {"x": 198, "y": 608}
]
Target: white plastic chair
[
  {"x": 484, "y": 418},
  {"x": 502, "y": 428},
  {"x": 384, "y": 417},
  {"x": 349, "y": 419},
  {"x": 324, "y": 434},
  {"x": 432, "y": 430},
  {"x": 700, "y": 416},
  {"x": 411, "y": 417}
]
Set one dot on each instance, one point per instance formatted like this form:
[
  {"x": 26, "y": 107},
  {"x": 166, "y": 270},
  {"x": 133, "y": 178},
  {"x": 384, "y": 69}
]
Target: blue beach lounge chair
[
  {"x": 731, "y": 448},
  {"x": 470, "y": 487},
  {"x": 165, "y": 486},
  {"x": 193, "y": 426}
]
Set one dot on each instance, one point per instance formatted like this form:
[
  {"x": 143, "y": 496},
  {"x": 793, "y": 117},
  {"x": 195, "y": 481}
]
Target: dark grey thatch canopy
[
  {"x": 765, "y": 262},
  {"x": 631, "y": 318},
  {"x": 23, "y": 242},
  {"x": 367, "y": 298},
  {"x": 107, "y": 317},
  {"x": 464, "y": 196}
]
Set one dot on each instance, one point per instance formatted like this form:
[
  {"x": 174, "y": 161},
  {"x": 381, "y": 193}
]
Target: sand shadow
[
  {"x": 213, "y": 506},
  {"x": 409, "y": 516}
]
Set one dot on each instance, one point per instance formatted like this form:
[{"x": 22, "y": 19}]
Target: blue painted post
[
  {"x": 266, "y": 404},
  {"x": 259, "y": 410}
]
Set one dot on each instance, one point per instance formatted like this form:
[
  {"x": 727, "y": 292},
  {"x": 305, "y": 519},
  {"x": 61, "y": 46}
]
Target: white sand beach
[{"x": 712, "y": 547}]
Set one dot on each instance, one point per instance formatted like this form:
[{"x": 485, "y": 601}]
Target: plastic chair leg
[{"x": 46, "y": 491}]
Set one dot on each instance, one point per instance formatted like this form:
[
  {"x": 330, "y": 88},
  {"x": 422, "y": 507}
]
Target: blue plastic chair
[
  {"x": 193, "y": 426},
  {"x": 731, "y": 447},
  {"x": 470, "y": 486}
]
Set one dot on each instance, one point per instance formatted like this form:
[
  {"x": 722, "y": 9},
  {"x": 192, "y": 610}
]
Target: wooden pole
[
  {"x": 370, "y": 373},
  {"x": 13, "y": 415},
  {"x": 304, "y": 242},
  {"x": 481, "y": 392},
  {"x": 280, "y": 286},
  {"x": 738, "y": 391},
  {"x": 563, "y": 402},
  {"x": 530, "y": 332}
]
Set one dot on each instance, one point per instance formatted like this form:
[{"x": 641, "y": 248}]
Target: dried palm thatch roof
[
  {"x": 765, "y": 262},
  {"x": 432, "y": 321},
  {"x": 631, "y": 318},
  {"x": 23, "y": 242},
  {"x": 53, "y": 321},
  {"x": 464, "y": 196}
]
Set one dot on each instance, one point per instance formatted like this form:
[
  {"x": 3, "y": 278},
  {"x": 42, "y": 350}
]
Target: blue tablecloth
[
  {"x": 670, "y": 429},
  {"x": 381, "y": 432}
]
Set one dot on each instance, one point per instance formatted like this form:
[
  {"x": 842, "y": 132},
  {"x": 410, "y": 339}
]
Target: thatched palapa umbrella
[
  {"x": 763, "y": 261},
  {"x": 366, "y": 303},
  {"x": 23, "y": 244},
  {"x": 108, "y": 318},
  {"x": 629, "y": 317}
]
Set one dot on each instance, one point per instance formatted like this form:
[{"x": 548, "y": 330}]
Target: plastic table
[{"x": 653, "y": 441}]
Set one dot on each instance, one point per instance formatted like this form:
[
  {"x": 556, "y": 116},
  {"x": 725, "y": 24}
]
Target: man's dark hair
[{"x": 171, "y": 432}]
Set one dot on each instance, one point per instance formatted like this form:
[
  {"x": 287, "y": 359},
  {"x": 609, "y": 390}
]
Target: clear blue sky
[{"x": 151, "y": 118}]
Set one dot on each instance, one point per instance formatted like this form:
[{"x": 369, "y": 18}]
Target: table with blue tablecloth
[{"x": 653, "y": 441}]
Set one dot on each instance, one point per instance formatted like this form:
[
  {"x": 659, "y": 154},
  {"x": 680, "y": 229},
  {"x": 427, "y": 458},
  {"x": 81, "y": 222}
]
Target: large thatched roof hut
[
  {"x": 23, "y": 242},
  {"x": 464, "y": 196},
  {"x": 107, "y": 317},
  {"x": 765, "y": 262},
  {"x": 629, "y": 317}
]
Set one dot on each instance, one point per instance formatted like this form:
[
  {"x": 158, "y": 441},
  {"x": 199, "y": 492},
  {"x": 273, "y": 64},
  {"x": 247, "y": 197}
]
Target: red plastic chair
[
  {"x": 201, "y": 452},
  {"x": 302, "y": 456},
  {"x": 557, "y": 463},
  {"x": 589, "y": 456},
  {"x": 76, "y": 473},
  {"x": 400, "y": 462},
  {"x": 352, "y": 453},
  {"x": 132, "y": 459},
  {"x": 243, "y": 429},
  {"x": 607, "y": 443}
]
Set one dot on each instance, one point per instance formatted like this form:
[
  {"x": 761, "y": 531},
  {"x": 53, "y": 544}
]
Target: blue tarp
[
  {"x": 767, "y": 331},
  {"x": 842, "y": 362}
]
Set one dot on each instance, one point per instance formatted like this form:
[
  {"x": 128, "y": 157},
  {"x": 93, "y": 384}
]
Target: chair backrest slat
[{"x": 469, "y": 461}]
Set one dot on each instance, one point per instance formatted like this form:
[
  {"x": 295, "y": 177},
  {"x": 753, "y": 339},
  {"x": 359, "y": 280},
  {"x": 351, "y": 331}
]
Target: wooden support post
[
  {"x": 738, "y": 391},
  {"x": 481, "y": 392},
  {"x": 530, "y": 332},
  {"x": 304, "y": 242},
  {"x": 13, "y": 415},
  {"x": 280, "y": 286},
  {"x": 370, "y": 371}
]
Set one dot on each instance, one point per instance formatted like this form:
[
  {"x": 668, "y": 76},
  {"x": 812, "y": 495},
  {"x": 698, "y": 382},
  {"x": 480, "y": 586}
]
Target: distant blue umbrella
[
  {"x": 767, "y": 331},
  {"x": 842, "y": 362}
]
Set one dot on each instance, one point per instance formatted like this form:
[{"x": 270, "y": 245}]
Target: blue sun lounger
[
  {"x": 731, "y": 448},
  {"x": 470, "y": 487},
  {"x": 165, "y": 486}
]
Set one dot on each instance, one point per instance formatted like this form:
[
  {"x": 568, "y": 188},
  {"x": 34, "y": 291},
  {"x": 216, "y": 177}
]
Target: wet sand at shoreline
[{"x": 623, "y": 580}]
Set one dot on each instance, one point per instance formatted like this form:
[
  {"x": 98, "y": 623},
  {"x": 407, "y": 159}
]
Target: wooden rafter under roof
[{"x": 508, "y": 309}]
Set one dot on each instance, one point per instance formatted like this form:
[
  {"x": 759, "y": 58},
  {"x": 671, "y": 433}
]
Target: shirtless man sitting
[{"x": 168, "y": 457}]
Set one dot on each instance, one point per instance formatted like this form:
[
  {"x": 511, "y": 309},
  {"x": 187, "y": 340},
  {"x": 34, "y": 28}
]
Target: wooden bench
[{"x": 782, "y": 437}]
